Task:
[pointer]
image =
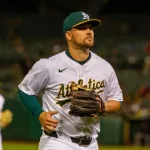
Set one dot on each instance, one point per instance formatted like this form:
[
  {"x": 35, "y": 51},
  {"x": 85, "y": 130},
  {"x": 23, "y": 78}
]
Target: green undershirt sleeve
[{"x": 31, "y": 103}]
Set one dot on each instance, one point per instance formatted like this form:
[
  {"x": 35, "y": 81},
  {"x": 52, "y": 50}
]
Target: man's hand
[{"x": 48, "y": 123}]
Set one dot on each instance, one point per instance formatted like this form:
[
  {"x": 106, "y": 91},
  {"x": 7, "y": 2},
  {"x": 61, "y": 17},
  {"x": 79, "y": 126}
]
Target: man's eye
[{"x": 81, "y": 28}]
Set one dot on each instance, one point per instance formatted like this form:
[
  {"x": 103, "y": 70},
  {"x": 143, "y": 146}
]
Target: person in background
[
  {"x": 5, "y": 117},
  {"x": 2, "y": 100}
]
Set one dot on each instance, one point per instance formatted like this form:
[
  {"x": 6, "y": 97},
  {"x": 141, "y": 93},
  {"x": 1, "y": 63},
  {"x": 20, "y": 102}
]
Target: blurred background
[{"x": 31, "y": 29}]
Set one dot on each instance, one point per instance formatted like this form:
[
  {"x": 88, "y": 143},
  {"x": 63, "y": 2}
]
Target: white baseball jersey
[
  {"x": 54, "y": 75},
  {"x": 2, "y": 100}
]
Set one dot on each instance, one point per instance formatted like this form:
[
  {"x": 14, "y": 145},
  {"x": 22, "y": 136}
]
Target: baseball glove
[
  {"x": 86, "y": 103},
  {"x": 6, "y": 118}
]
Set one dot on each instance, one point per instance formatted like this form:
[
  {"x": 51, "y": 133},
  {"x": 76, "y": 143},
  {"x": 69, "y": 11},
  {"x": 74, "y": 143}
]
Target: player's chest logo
[{"x": 65, "y": 90}]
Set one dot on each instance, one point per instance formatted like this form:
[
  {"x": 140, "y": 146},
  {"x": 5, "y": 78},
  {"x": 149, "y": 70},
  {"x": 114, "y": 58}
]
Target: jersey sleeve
[
  {"x": 36, "y": 79},
  {"x": 114, "y": 91}
]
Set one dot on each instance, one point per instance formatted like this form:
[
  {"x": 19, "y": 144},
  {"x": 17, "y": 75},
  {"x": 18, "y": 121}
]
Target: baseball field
[{"x": 34, "y": 146}]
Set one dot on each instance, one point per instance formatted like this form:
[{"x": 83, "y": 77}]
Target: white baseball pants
[{"x": 63, "y": 142}]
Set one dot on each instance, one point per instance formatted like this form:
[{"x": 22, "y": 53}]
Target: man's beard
[
  {"x": 84, "y": 45},
  {"x": 88, "y": 45}
]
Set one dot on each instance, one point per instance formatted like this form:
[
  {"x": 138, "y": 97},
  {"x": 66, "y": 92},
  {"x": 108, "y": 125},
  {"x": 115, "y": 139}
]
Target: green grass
[
  {"x": 123, "y": 148},
  {"x": 34, "y": 146},
  {"x": 19, "y": 146}
]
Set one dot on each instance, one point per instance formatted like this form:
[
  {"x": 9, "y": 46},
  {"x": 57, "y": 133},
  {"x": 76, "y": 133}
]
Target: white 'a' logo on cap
[{"x": 85, "y": 16}]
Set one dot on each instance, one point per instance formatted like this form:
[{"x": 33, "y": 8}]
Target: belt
[{"x": 84, "y": 140}]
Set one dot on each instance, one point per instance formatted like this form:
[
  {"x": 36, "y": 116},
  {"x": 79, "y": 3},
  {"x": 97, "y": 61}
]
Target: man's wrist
[
  {"x": 38, "y": 113},
  {"x": 102, "y": 110},
  {"x": 106, "y": 107}
]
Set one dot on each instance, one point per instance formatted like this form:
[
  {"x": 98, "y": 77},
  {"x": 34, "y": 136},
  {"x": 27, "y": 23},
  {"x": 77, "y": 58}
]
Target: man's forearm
[
  {"x": 112, "y": 106},
  {"x": 31, "y": 103}
]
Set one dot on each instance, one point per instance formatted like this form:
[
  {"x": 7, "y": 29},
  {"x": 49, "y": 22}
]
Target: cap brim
[{"x": 94, "y": 22}]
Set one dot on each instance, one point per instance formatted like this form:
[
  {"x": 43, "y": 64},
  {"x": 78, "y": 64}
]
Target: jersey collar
[{"x": 80, "y": 62}]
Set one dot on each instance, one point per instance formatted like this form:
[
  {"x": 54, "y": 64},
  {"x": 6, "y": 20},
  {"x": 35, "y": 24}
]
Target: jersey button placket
[{"x": 81, "y": 74}]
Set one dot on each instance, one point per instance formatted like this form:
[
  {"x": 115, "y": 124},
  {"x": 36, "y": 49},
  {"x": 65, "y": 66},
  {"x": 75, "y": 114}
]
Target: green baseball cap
[{"x": 78, "y": 18}]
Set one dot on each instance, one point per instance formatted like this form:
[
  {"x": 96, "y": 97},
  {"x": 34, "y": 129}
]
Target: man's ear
[{"x": 68, "y": 35}]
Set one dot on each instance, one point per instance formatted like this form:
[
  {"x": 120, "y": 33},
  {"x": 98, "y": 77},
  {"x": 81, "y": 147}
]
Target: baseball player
[
  {"x": 54, "y": 75},
  {"x": 2, "y": 100}
]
